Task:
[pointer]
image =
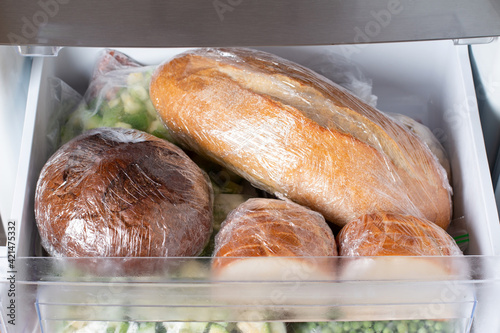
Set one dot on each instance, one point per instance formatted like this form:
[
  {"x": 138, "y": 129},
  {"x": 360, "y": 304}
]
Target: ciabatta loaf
[{"x": 296, "y": 134}]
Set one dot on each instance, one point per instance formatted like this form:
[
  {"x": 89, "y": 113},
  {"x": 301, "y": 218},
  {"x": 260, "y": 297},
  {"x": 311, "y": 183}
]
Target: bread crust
[
  {"x": 295, "y": 134},
  {"x": 385, "y": 234},
  {"x": 122, "y": 193},
  {"x": 272, "y": 228}
]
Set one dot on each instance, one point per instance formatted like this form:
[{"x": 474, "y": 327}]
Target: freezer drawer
[
  {"x": 185, "y": 290},
  {"x": 429, "y": 81}
]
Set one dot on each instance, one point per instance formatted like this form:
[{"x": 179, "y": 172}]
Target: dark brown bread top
[
  {"x": 295, "y": 134},
  {"x": 120, "y": 193}
]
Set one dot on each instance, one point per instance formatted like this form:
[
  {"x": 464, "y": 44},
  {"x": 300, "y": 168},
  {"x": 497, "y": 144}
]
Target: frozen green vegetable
[
  {"x": 118, "y": 98},
  {"x": 389, "y": 326},
  {"x": 169, "y": 327}
]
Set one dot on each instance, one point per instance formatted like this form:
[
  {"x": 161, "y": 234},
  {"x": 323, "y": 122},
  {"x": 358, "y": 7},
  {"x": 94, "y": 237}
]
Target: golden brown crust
[
  {"x": 297, "y": 135},
  {"x": 120, "y": 193},
  {"x": 273, "y": 228},
  {"x": 394, "y": 235}
]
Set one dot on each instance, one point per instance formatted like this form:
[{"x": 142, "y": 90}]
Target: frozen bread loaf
[
  {"x": 114, "y": 192},
  {"x": 261, "y": 229},
  {"x": 411, "y": 260},
  {"x": 297, "y": 135},
  {"x": 398, "y": 238},
  {"x": 385, "y": 234}
]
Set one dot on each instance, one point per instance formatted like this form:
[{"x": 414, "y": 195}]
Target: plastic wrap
[
  {"x": 395, "y": 235},
  {"x": 343, "y": 72},
  {"x": 223, "y": 205},
  {"x": 110, "y": 60},
  {"x": 64, "y": 100},
  {"x": 270, "y": 228},
  {"x": 299, "y": 136},
  {"x": 426, "y": 135},
  {"x": 118, "y": 96},
  {"x": 346, "y": 74},
  {"x": 122, "y": 193},
  {"x": 171, "y": 327},
  {"x": 265, "y": 240},
  {"x": 386, "y": 326},
  {"x": 385, "y": 247}
]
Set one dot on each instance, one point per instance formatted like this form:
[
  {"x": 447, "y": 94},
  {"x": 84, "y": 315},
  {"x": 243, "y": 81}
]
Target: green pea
[
  {"x": 367, "y": 324},
  {"x": 379, "y": 326},
  {"x": 402, "y": 327},
  {"x": 326, "y": 329},
  {"x": 413, "y": 326},
  {"x": 355, "y": 325},
  {"x": 337, "y": 329},
  {"x": 346, "y": 326},
  {"x": 438, "y": 325}
]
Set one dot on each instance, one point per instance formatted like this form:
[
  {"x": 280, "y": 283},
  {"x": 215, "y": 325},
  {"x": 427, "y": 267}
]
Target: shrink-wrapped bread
[
  {"x": 299, "y": 136},
  {"x": 385, "y": 234},
  {"x": 426, "y": 135},
  {"x": 394, "y": 235},
  {"x": 262, "y": 228},
  {"x": 277, "y": 248},
  {"x": 410, "y": 261},
  {"x": 122, "y": 193}
]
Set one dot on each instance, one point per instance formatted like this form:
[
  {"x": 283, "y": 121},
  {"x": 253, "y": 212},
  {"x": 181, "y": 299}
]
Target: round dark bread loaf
[{"x": 122, "y": 193}]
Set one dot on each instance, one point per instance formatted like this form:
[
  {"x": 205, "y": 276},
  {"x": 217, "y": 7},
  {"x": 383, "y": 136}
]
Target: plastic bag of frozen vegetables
[
  {"x": 117, "y": 96},
  {"x": 64, "y": 100},
  {"x": 170, "y": 327},
  {"x": 110, "y": 60},
  {"x": 388, "y": 326}
]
